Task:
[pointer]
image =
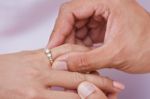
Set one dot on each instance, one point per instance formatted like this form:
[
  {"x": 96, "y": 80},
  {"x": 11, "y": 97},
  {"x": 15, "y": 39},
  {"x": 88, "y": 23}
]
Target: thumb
[
  {"x": 88, "y": 90},
  {"x": 87, "y": 61}
]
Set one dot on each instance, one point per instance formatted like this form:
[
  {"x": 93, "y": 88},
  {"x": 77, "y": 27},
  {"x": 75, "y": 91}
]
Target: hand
[
  {"x": 88, "y": 90},
  {"x": 121, "y": 26},
  {"x": 28, "y": 75},
  {"x": 84, "y": 88}
]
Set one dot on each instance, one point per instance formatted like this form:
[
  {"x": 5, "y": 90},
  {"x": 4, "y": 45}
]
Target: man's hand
[
  {"x": 87, "y": 90},
  {"x": 121, "y": 26}
]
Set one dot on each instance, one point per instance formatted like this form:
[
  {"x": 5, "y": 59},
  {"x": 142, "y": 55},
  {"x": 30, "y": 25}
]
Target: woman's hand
[
  {"x": 28, "y": 75},
  {"x": 122, "y": 26}
]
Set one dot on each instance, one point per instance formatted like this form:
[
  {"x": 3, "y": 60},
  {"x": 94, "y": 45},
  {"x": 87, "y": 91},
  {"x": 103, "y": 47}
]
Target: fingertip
[
  {"x": 85, "y": 89},
  {"x": 118, "y": 85}
]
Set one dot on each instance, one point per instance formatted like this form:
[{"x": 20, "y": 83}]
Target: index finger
[{"x": 63, "y": 27}]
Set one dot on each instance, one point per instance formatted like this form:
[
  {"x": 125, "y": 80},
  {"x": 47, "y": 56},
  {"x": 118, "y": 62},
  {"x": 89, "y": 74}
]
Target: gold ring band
[{"x": 49, "y": 55}]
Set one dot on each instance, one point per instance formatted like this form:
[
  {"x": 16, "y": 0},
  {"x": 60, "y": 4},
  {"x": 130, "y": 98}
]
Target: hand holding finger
[{"x": 87, "y": 90}]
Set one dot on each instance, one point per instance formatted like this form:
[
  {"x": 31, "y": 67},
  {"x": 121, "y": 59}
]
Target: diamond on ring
[{"x": 49, "y": 55}]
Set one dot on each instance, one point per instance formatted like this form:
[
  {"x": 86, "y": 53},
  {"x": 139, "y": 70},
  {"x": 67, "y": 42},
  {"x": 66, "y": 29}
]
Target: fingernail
[
  {"x": 118, "y": 85},
  {"x": 85, "y": 89},
  {"x": 60, "y": 65}
]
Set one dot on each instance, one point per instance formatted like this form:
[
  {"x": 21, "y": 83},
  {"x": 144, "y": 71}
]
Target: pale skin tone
[
  {"x": 121, "y": 26},
  {"x": 28, "y": 75},
  {"x": 96, "y": 94}
]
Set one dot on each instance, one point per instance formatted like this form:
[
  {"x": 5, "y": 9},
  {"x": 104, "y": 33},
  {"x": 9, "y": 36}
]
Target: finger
[
  {"x": 68, "y": 14},
  {"x": 63, "y": 27},
  {"x": 66, "y": 48},
  {"x": 81, "y": 23},
  {"x": 98, "y": 34},
  {"x": 94, "y": 23},
  {"x": 59, "y": 95},
  {"x": 82, "y": 33},
  {"x": 87, "y": 90},
  {"x": 79, "y": 42},
  {"x": 67, "y": 90},
  {"x": 88, "y": 42},
  {"x": 71, "y": 38},
  {"x": 71, "y": 80},
  {"x": 91, "y": 60},
  {"x": 58, "y": 51},
  {"x": 113, "y": 96}
]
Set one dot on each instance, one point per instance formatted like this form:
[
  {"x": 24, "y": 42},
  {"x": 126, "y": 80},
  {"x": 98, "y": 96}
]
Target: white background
[{"x": 27, "y": 24}]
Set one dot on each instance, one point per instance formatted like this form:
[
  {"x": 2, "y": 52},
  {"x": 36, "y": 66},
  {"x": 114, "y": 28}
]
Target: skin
[
  {"x": 24, "y": 75},
  {"x": 120, "y": 26},
  {"x": 97, "y": 94}
]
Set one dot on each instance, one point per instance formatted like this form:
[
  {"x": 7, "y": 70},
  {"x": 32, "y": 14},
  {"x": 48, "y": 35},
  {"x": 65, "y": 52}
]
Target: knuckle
[
  {"x": 78, "y": 77},
  {"x": 78, "y": 62},
  {"x": 91, "y": 78},
  {"x": 83, "y": 62}
]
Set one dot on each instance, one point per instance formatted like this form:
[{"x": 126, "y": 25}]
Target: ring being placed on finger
[{"x": 49, "y": 55}]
